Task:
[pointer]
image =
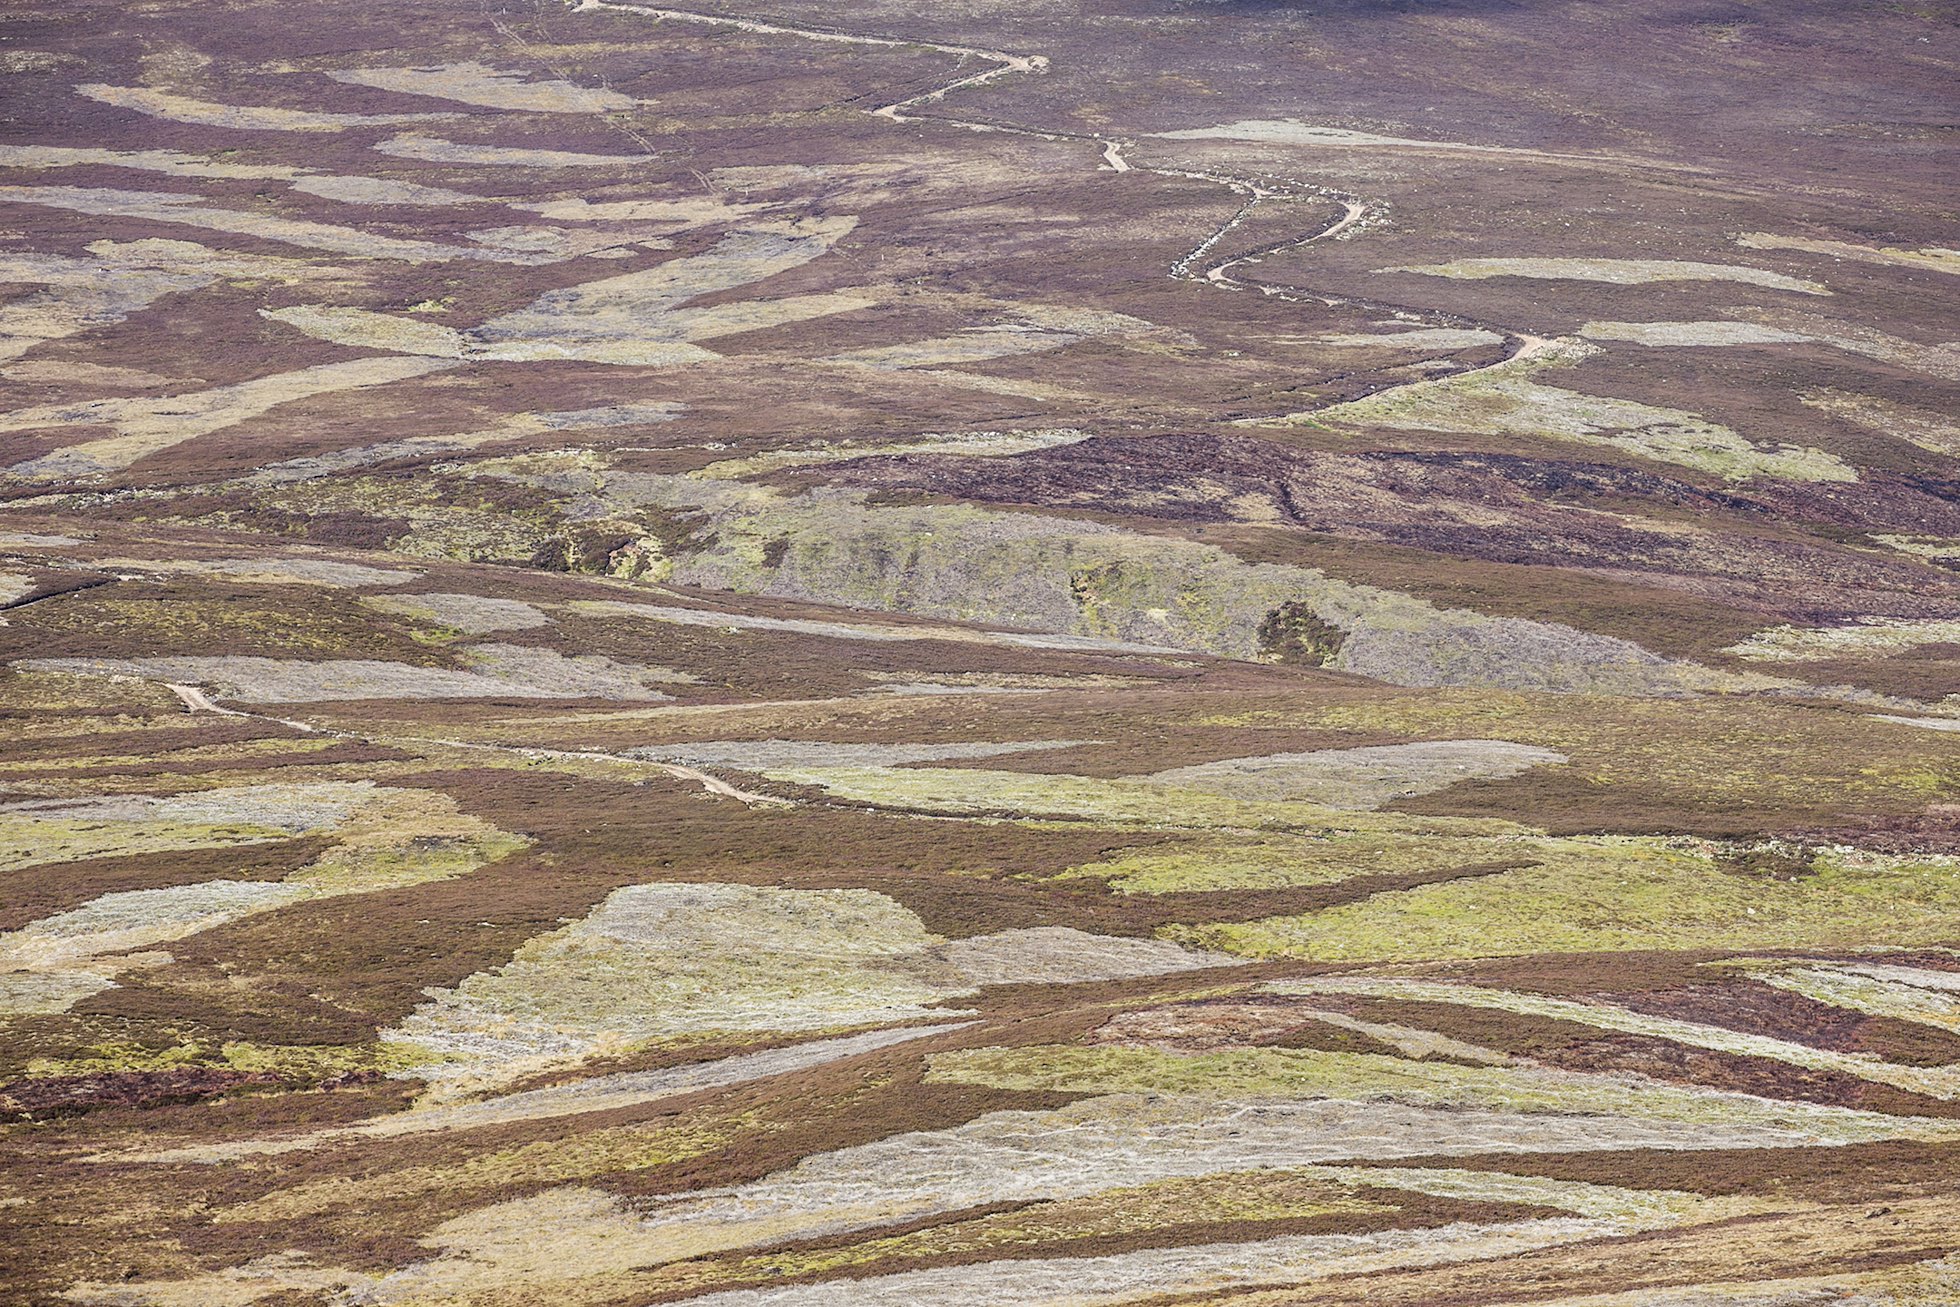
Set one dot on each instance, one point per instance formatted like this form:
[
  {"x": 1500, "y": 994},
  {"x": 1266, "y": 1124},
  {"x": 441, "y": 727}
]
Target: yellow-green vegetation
[
  {"x": 479, "y": 517},
  {"x": 1504, "y": 400},
  {"x": 1385, "y": 846},
  {"x": 1086, "y": 579},
  {"x": 30, "y": 837},
  {"x": 1616, "y": 894},
  {"x": 1136, "y": 802},
  {"x": 431, "y": 517},
  {"x": 410, "y": 838},
  {"x": 1276, "y": 1073},
  {"x": 603, "y": 1151},
  {"x": 30, "y": 691},
  {"x": 1271, "y": 861},
  {"x": 1870, "y": 637},
  {"x": 1745, "y": 753},
  {"x": 1274, "y": 1195},
  {"x": 300, "y": 1062}
]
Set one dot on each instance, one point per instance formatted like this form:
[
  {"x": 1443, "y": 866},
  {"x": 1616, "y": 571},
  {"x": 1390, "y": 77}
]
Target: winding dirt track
[
  {"x": 1197, "y": 266},
  {"x": 895, "y": 111}
]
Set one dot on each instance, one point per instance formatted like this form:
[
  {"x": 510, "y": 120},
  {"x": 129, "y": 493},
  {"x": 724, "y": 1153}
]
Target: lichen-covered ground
[{"x": 1045, "y": 654}]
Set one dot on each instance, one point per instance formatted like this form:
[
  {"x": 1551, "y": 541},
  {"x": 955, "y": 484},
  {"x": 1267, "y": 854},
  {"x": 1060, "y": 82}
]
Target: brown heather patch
[
  {"x": 1928, "y": 673},
  {"x": 58, "y": 886},
  {"x": 965, "y": 907},
  {"x": 350, "y": 754},
  {"x": 1664, "y": 1060},
  {"x": 142, "y": 748},
  {"x": 1571, "y": 1046},
  {"x": 1765, "y": 1009},
  {"x": 139, "y": 619},
  {"x": 52, "y": 1096},
  {"x": 788, "y": 666},
  {"x": 1322, "y": 1037},
  {"x": 1936, "y": 830},
  {"x": 195, "y": 999},
  {"x": 339, "y": 1101},
  {"x": 1565, "y": 801},
  {"x": 1850, "y": 1174},
  {"x": 51, "y": 585}
]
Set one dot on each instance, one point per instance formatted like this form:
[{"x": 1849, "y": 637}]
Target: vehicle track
[{"x": 1197, "y": 266}]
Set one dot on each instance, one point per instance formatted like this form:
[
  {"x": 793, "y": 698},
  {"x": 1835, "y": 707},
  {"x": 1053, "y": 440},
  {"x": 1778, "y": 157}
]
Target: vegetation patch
[
  {"x": 661, "y": 962},
  {"x": 1296, "y": 636},
  {"x": 1934, "y": 1082},
  {"x": 1618, "y": 272},
  {"x": 1260, "y": 1073},
  {"x": 633, "y": 320},
  {"x": 1610, "y": 895},
  {"x": 1869, "y": 637},
  {"x": 1505, "y": 400},
  {"x": 387, "y": 839}
]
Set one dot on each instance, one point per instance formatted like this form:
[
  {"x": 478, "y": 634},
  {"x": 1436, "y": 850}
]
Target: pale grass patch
[
  {"x": 492, "y": 88},
  {"x": 663, "y": 961},
  {"x": 1618, "y": 272},
  {"x": 1934, "y": 1082},
  {"x": 634, "y": 320},
  {"x": 206, "y": 113},
  {"x": 1923, "y": 260},
  {"x": 150, "y": 426},
  {"x": 1868, "y": 637},
  {"x": 431, "y": 149},
  {"x": 1505, "y": 399},
  {"x": 184, "y": 209}
]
